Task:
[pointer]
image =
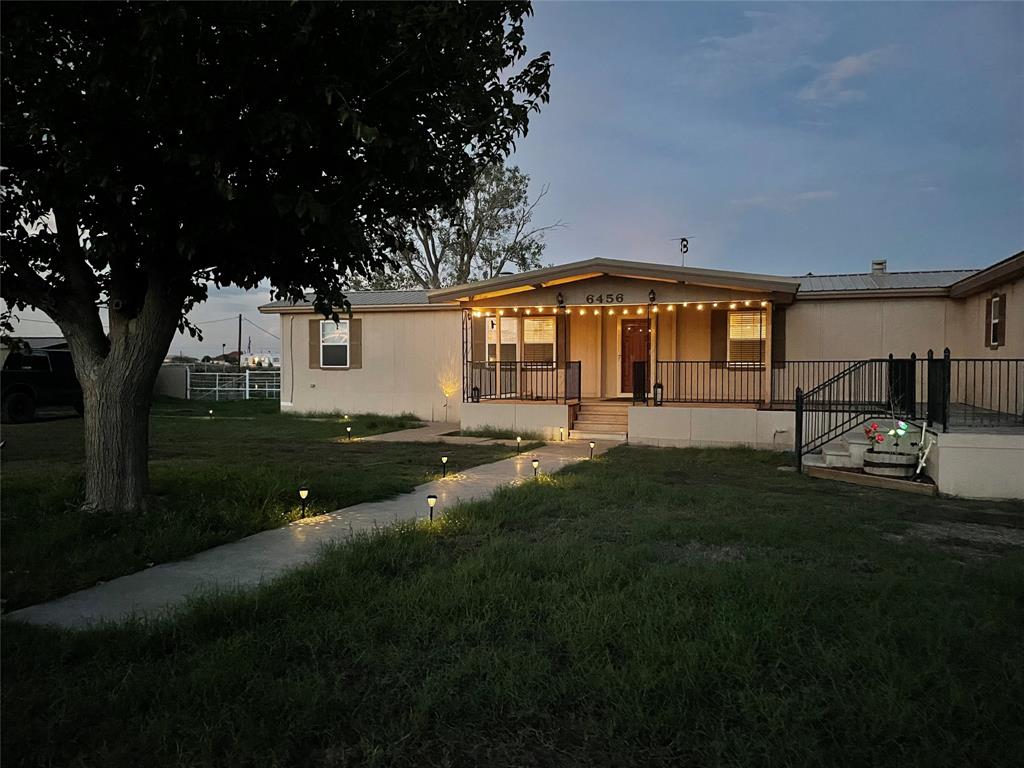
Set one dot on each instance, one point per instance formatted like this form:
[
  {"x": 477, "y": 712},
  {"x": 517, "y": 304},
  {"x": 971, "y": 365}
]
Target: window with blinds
[
  {"x": 539, "y": 339},
  {"x": 746, "y": 338}
]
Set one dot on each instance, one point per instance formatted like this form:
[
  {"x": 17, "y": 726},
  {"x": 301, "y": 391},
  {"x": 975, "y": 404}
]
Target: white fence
[{"x": 246, "y": 385}]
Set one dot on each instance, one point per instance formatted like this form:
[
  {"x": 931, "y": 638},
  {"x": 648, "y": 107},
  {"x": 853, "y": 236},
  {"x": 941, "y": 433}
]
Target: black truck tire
[{"x": 18, "y": 407}]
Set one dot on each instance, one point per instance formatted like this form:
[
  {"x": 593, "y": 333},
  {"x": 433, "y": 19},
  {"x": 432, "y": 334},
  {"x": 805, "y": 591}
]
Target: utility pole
[{"x": 239, "y": 341}]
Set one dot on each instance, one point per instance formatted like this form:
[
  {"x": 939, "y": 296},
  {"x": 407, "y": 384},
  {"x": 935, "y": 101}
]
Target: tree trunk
[
  {"x": 117, "y": 438},
  {"x": 118, "y": 373}
]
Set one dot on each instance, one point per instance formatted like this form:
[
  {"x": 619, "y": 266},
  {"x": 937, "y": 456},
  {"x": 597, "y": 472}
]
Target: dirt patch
[
  {"x": 969, "y": 539},
  {"x": 696, "y": 552}
]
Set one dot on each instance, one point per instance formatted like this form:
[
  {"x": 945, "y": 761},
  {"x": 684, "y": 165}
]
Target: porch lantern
[
  {"x": 444, "y": 466},
  {"x": 659, "y": 393},
  {"x": 431, "y": 501},
  {"x": 303, "y": 495},
  {"x": 592, "y": 449},
  {"x": 651, "y": 296},
  {"x": 474, "y": 394},
  {"x": 535, "y": 463}
]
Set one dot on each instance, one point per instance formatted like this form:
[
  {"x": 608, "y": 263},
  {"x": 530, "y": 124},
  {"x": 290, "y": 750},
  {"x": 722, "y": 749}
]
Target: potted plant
[{"x": 891, "y": 462}]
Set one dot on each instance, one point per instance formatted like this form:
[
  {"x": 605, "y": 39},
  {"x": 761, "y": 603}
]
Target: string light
[
  {"x": 700, "y": 307},
  {"x": 654, "y": 309},
  {"x": 764, "y": 303},
  {"x": 597, "y": 311},
  {"x": 624, "y": 310},
  {"x": 672, "y": 307},
  {"x": 733, "y": 305},
  {"x": 686, "y": 304}
]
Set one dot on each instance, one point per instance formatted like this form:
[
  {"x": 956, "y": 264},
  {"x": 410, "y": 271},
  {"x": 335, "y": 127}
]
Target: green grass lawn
[
  {"x": 213, "y": 480},
  {"x": 649, "y": 608}
]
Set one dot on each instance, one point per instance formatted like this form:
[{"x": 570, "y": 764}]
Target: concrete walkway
[{"x": 258, "y": 558}]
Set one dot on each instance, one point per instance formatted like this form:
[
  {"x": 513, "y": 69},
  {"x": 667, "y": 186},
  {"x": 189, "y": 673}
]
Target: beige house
[{"x": 667, "y": 355}]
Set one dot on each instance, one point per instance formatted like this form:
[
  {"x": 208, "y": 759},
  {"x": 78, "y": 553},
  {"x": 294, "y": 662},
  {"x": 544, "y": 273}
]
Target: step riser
[{"x": 605, "y": 436}]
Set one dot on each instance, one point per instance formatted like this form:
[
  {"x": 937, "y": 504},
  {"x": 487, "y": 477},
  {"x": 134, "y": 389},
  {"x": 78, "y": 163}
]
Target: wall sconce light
[
  {"x": 444, "y": 466},
  {"x": 561, "y": 301},
  {"x": 303, "y": 495},
  {"x": 592, "y": 449},
  {"x": 659, "y": 393},
  {"x": 651, "y": 296},
  {"x": 431, "y": 501},
  {"x": 535, "y": 463}
]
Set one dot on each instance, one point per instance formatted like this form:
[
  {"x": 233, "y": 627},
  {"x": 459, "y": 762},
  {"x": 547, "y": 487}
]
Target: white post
[
  {"x": 188, "y": 383},
  {"x": 216, "y": 386},
  {"x": 246, "y": 383}
]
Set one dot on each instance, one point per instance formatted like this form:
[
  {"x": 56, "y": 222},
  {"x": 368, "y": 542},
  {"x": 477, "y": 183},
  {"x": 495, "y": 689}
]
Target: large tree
[
  {"x": 490, "y": 230},
  {"x": 165, "y": 147}
]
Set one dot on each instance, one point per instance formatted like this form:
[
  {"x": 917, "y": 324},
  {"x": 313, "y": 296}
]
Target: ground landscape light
[
  {"x": 431, "y": 501},
  {"x": 536, "y": 464},
  {"x": 303, "y": 495},
  {"x": 444, "y": 466},
  {"x": 519, "y": 443},
  {"x": 592, "y": 449},
  {"x": 349, "y": 430}
]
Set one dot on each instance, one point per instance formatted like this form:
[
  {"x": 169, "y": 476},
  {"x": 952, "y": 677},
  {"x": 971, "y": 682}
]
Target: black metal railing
[
  {"x": 787, "y": 375},
  {"x": 522, "y": 380},
  {"x": 706, "y": 381},
  {"x": 862, "y": 391},
  {"x": 981, "y": 392}
]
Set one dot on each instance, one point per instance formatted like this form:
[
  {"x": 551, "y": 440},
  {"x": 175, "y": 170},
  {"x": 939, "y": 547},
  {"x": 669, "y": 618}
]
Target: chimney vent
[{"x": 878, "y": 265}]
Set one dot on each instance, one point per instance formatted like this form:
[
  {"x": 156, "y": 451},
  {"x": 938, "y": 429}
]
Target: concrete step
[
  {"x": 610, "y": 436},
  {"x": 838, "y": 454},
  {"x": 814, "y": 460}
]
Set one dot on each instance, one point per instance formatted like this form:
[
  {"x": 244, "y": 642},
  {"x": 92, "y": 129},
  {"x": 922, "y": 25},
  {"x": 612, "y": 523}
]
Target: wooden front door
[{"x": 634, "y": 348}]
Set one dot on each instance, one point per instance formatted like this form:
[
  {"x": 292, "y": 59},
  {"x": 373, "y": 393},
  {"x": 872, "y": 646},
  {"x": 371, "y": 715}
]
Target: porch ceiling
[{"x": 782, "y": 288}]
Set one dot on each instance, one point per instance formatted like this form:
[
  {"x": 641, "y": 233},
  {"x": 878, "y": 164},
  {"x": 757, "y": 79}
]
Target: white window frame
[
  {"x": 348, "y": 345},
  {"x": 993, "y": 322},
  {"x": 728, "y": 339}
]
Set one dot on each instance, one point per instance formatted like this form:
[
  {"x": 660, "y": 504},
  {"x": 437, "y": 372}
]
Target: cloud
[
  {"x": 832, "y": 86},
  {"x": 788, "y": 202},
  {"x": 775, "y": 44}
]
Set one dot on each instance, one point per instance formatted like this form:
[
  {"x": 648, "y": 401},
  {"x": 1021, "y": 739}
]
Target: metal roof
[
  {"x": 363, "y": 299},
  {"x": 882, "y": 281}
]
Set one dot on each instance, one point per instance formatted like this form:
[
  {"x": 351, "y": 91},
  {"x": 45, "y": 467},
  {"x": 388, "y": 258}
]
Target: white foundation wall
[
  {"x": 407, "y": 357},
  {"x": 671, "y": 426},
  {"x": 543, "y": 419},
  {"x": 978, "y": 466}
]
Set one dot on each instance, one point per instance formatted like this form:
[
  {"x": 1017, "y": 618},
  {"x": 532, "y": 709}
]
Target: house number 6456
[{"x": 605, "y": 298}]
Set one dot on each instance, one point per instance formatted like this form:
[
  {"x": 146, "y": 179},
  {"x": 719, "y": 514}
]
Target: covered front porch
[{"x": 607, "y": 330}]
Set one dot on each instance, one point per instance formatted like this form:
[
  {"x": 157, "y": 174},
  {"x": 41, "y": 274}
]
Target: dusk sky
[{"x": 780, "y": 138}]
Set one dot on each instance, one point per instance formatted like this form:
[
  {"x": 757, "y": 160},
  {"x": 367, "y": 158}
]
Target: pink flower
[{"x": 880, "y": 438}]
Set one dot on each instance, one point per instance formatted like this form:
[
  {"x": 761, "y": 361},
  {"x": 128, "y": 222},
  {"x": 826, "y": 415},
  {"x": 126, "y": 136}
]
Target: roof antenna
[{"x": 684, "y": 247}]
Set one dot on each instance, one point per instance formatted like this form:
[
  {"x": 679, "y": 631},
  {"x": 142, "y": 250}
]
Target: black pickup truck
[{"x": 37, "y": 379}]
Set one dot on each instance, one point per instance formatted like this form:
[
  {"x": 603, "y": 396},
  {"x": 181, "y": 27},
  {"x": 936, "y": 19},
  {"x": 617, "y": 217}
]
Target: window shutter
[
  {"x": 478, "y": 331},
  {"x": 355, "y": 343},
  {"x": 778, "y": 337},
  {"x": 719, "y": 337},
  {"x": 988, "y": 323},
  {"x": 314, "y": 343},
  {"x": 1002, "y": 319}
]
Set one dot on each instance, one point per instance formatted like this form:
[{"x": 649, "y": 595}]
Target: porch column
[{"x": 766, "y": 373}]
